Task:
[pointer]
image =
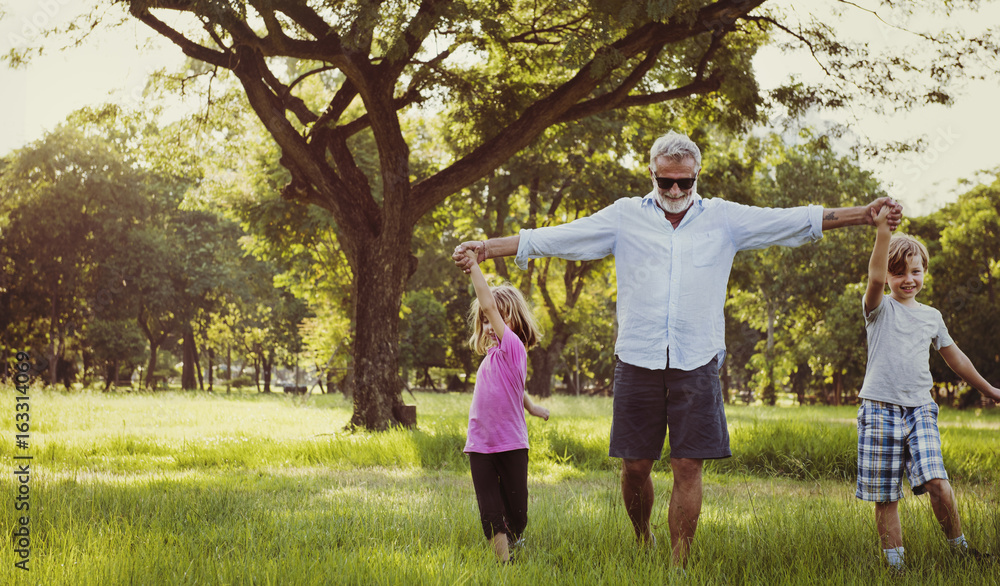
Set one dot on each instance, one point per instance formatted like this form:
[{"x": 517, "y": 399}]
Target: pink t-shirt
[{"x": 496, "y": 417}]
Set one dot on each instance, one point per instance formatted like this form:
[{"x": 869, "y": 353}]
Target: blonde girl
[{"x": 503, "y": 329}]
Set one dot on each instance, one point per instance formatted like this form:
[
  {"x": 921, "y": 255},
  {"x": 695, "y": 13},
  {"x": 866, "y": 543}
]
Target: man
[{"x": 673, "y": 255}]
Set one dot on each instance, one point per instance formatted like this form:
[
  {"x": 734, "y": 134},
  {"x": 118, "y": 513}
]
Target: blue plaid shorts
[{"x": 892, "y": 439}]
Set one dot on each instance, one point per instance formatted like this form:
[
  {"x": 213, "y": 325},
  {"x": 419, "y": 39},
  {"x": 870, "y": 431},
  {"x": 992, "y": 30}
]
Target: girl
[{"x": 503, "y": 329}]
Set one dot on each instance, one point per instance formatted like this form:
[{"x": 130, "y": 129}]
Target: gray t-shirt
[{"x": 899, "y": 352}]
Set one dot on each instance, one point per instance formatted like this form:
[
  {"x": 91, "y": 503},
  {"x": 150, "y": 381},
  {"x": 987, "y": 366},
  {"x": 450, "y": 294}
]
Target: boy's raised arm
[
  {"x": 963, "y": 367},
  {"x": 878, "y": 265}
]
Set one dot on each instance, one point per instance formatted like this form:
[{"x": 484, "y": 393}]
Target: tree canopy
[{"x": 346, "y": 91}]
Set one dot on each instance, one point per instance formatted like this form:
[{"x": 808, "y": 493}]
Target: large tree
[{"x": 502, "y": 72}]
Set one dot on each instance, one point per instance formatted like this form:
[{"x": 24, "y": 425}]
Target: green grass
[{"x": 193, "y": 488}]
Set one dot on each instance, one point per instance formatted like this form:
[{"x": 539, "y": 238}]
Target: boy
[{"x": 897, "y": 419}]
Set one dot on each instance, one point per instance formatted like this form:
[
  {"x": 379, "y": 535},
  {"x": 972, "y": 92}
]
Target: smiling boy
[{"x": 897, "y": 419}]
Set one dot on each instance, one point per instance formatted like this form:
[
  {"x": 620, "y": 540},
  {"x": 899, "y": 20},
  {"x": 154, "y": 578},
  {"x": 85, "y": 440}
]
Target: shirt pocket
[{"x": 707, "y": 247}]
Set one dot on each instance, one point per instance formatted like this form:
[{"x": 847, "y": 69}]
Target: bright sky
[{"x": 112, "y": 68}]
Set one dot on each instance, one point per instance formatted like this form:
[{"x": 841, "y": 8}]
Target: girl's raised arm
[{"x": 486, "y": 301}]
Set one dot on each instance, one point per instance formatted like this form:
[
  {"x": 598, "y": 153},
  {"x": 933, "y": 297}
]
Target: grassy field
[{"x": 195, "y": 488}]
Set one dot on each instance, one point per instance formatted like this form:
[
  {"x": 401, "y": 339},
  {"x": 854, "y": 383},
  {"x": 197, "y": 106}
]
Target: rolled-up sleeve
[
  {"x": 586, "y": 238},
  {"x": 753, "y": 227}
]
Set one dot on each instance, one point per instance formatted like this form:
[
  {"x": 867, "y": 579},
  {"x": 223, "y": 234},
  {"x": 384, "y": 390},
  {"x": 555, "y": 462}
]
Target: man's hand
[
  {"x": 464, "y": 260},
  {"x": 895, "y": 212}
]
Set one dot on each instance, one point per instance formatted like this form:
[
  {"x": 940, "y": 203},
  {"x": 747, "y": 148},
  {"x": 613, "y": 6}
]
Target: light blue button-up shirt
[{"x": 672, "y": 282}]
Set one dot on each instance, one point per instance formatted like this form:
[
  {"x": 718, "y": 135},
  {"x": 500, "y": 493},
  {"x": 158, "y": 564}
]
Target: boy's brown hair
[
  {"x": 514, "y": 309},
  {"x": 902, "y": 247}
]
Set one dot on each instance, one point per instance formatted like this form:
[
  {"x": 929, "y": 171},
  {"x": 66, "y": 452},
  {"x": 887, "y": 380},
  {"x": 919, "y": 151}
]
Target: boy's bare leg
[
  {"x": 500, "y": 546},
  {"x": 944, "y": 506},
  {"x": 685, "y": 506},
  {"x": 890, "y": 532},
  {"x": 637, "y": 492}
]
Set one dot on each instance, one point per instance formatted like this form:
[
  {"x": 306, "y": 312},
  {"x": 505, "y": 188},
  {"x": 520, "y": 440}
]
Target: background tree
[
  {"x": 505, "y": 76},
  {"x": 66, "y": 204},
  {"x": 423, "y": 335},
  {"x": 385, "y": 62},
  {"x": 793, "y": 296},
  {"x": 964, "y": 280},
  {"x": 116, "y": 347}
]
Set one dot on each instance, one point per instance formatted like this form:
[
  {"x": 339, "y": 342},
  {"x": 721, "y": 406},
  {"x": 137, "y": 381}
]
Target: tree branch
[
  {"x": 542, "y": 282},
  {"x": 328, "y": 189},
  {"x": 290, "y": 102},
  {"x": 530, "y": 36},
  {"x": 189, "y": 47},
  {"x": 306, "y": 17},
  {"x": 801, "y": 37},
  {"x": 713, "y": 83},
  {"x": 554, "y": 107}
]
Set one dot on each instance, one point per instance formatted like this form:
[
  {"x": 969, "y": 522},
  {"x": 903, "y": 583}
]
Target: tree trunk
[
  {"x": 151, "y": 365},
  {"x": 197, "y": 367},
  {"x": 267, "y": 362},
  {"x": 428, "y": 381},
  {"x": 727, "y": 381},
  {"x": 543, "y": 365},
  {"x": 770, "y": 396},
  {"x": 188, "y": 381},
  {"x": 111, "y": 375},
  {"x": 155, "y": 340},
  {"x": 799, "y": 380},
  {"x": 211, "y": 368},
  {"x": 53, "y": 336},
  {"x": 379, "y": 282}
]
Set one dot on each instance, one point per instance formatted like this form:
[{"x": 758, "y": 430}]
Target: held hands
[
  {"x": 881, "y": 217},
  {"x": 468, "y": 254},
  {"x": 892, "y": 209}
]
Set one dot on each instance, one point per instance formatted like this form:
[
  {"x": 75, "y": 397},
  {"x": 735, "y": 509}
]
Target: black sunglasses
[{"x": 667, "y": 182}]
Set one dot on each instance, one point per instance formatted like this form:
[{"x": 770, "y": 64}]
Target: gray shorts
[{"x": 689, "y": 403}]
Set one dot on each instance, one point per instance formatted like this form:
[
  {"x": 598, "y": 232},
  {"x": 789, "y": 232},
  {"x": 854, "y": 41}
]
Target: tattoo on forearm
[{"x": 831, "y": 215}]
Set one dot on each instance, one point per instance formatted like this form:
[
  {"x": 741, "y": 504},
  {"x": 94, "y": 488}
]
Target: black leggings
[{"x": 501, "y": 483}]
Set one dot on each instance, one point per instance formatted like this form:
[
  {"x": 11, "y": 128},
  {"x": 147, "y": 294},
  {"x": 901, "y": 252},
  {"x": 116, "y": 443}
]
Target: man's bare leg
[
  {"x": 685, "y": 506},
  {"x": 637, "y": 492}
]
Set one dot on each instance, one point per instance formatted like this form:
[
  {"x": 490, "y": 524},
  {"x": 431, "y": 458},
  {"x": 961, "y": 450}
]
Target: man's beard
[{"x": 674, "y": 206}]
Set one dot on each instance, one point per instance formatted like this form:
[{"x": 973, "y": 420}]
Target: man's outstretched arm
[
  {"x": 862, "y": 215},
  {"x": 492, "y": 248}
]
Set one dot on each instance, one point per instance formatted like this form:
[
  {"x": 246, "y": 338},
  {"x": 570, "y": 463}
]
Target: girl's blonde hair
[
  {"x": 514, "y": 310},
  {"x": 902, "y": 247}
]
